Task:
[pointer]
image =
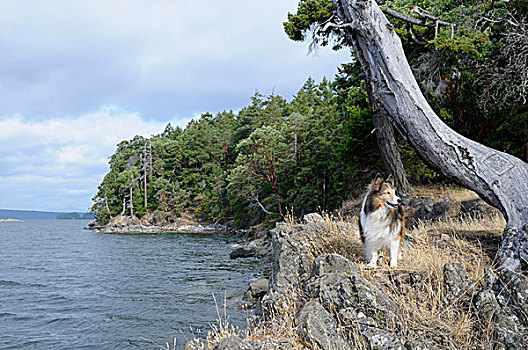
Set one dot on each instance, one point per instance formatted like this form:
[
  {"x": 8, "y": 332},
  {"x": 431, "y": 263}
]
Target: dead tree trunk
[
  {"x": 131, "y": 197},
  {"x": 389, "y": 150},
  {"x": 497, "y": 177}
]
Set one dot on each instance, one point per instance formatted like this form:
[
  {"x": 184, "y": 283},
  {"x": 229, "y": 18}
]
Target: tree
[
  {"x": 497, "y": 177},
  {"x": 318, "y": 178},
  {"x": 260, "y": 157},
  {"x": 311, "y": 14}
]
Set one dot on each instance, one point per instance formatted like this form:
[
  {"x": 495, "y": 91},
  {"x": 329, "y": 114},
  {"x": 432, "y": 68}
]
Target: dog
[{"x": 381, "y": 221}]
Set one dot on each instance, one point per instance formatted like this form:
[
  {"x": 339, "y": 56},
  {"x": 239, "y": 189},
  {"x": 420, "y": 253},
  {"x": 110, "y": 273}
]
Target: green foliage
[
  {"x": 417, "y": 171},
  {"x": 308, "y": 13},
  {"x": 475, "y": 73},
  {"x": 467, "y": 42},
  {"x": 310, "y": 18}
]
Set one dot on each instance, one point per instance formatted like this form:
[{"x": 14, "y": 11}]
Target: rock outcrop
[
  {"x": 343, "y": 310},
  {"x": 154, "y": 224},
  {"x": 502, "y": 306}
]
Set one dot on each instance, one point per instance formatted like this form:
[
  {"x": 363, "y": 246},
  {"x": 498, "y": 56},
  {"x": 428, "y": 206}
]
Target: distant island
[{"x": 9, "y": 214}]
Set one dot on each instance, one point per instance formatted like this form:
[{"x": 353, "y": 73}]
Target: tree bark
[
  {"x": 131, "y": 198},
  {"x": 499, "y": 178},
  {"x": 389, "y": 150}
]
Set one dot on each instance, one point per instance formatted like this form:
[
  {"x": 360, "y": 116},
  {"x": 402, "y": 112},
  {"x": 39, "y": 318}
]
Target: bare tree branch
[
  {"x": 407, "y": 18},
  {"x": 438, "y": 22},
  {"x": 256, "y": 199},
  {"x": 338, "y": 26}
]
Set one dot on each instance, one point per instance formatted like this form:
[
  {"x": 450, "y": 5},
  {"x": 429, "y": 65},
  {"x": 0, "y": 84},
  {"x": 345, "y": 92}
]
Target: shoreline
[
  {"x": 128, "y": 224},
  {"x": 10, "y": 220},
  {"x": 172, "y": 228}
]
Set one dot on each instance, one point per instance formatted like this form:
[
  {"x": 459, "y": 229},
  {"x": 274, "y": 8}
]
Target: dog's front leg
[
  {"x": 372, "y": 256},
  {"x": 394, "y": 252}
]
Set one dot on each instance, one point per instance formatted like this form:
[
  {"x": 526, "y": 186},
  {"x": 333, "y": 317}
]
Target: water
[{"x": 62, "y": 287}]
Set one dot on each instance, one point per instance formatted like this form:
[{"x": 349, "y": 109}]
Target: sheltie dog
[{"x": 381, "y": 221}]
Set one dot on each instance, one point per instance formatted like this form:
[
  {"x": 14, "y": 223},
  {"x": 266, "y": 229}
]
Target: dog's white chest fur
[{"x": 377, "y": 228}]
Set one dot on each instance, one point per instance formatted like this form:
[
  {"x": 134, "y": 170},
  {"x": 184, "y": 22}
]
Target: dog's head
[{"x": 385, "y": 191}]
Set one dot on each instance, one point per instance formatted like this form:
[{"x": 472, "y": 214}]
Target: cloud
[
  {"x": 57, "y": 164},
  {"x": 161, "y": 58}
]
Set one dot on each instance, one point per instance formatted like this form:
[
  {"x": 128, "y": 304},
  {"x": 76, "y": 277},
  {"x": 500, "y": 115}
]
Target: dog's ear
[
  {"x": 376, "y": 184},
  {"x": 390, "y": 181}
]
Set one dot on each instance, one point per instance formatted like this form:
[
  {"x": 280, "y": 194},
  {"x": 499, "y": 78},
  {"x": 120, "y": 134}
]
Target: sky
[{"x": 77, "y": 77}]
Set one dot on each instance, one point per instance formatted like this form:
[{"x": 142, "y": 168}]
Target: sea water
[{"x": 63, "y": 287}]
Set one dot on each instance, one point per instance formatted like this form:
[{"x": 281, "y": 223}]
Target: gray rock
[
  {"x": 290, "y": 260},
  {"x": 421, "y": 344},
  {"x": 475, "y": 208},
  {"x": 502, "y": 321},
  {"x": 332, "y": 263},
  {"x": 381, "y": 340},
  {"x": 231, "y": 343},
  {"x": 242, "y": 252},
  {"x": 456, "y": 280},
  {"x": 367, "y": 334},
  {"x": 335, "y": 290},
  {"x": 236, "y": 343},
  {"x": 313, "y": 218},
  {"x": 272, "y": 344},
  {"x": 344, "y": 290},
  {"x": 262, "y": 247},
  {"x": 426, "y": 209},
  {"x": 133, "y": 221},
  {"x": 501, "y": 307},
  {"x": 490, "y": 278},
  {"x": 257, "y": 289},
  {"x": 515, "y": 288},
  {"x": 318, "y": 328}
]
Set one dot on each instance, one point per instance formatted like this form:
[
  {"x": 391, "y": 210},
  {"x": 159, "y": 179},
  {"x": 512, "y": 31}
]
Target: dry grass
[
  {"x": 417, "y": 283},
  {"x": 220, "y": 329},
  {"x": 280, "y": 324},
  {"x": 451, "y": 191}
]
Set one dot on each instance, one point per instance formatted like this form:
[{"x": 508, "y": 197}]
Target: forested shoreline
[
  {"x": 272, "y": 156},
  {"x": 317, "y": 149}
]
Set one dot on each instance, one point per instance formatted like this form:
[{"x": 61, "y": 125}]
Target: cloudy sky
[{"x": 77, "y": 77}]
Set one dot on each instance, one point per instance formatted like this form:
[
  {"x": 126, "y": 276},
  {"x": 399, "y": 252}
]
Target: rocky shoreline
[
  {"x": 335, "y": 295},
  {"x": 127, "y": 224},
  {"x": 338, "y": 308}
]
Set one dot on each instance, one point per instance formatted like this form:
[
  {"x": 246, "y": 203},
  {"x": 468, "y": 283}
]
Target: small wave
[
  {"x": 122, "y": 317},
  {"x": 58, "y": 320},
  {"x": 5, "y": 283}
]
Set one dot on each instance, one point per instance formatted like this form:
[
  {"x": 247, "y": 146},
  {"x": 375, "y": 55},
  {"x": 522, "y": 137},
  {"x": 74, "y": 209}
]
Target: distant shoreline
[
  {"x": 25, "y": 215},
  {"x": 9, "y": 220}
]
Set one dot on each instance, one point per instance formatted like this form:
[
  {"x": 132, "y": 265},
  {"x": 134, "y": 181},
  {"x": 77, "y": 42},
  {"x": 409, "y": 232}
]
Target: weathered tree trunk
[
  {"x": 131, "y": 198},
  {"x": 389, "y": 150},
  {"x": 497, "y": 177}
]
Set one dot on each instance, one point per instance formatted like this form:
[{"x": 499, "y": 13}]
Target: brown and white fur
[{"x": 381, "y": 221}]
